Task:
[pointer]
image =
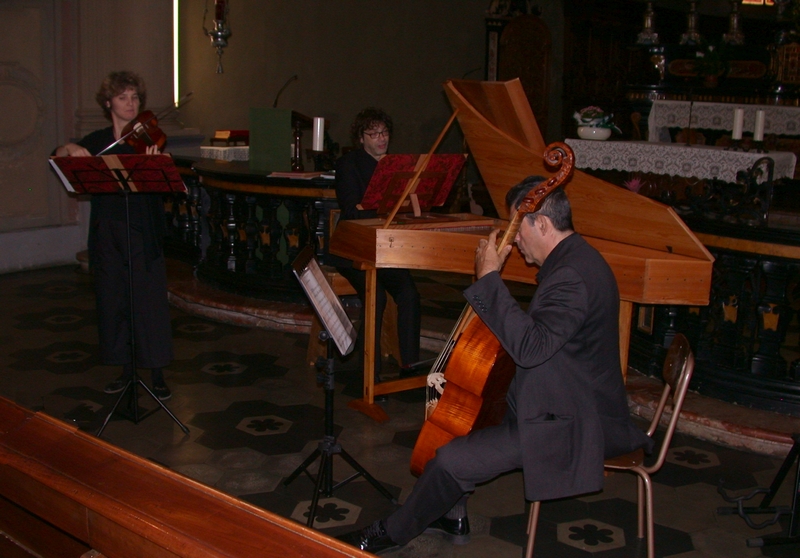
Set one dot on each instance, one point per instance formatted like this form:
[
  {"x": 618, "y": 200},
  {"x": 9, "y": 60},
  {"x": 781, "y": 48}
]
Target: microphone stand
[{"x": 285, "y": 85}]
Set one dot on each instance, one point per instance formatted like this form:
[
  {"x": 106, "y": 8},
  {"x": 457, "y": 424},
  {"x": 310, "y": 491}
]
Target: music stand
[
  {"x": 386, "y": 188},
  {"x": 792, "y": 535},
  {"x": 336, "y": 329},
  {"x": 124, "y": 174}
]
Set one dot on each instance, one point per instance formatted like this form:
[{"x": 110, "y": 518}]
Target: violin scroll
[{"x": 559, "y": 155}]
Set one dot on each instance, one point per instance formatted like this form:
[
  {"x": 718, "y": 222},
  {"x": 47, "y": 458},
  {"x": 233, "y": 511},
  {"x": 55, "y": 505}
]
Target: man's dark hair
[
  {"x": 555, "y": 205},
  {"x": 117, "y": 83},
  {"x": 367, "y": 119}
]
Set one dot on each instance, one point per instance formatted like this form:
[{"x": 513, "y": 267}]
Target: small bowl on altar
[{"x": 593, "y": 133}]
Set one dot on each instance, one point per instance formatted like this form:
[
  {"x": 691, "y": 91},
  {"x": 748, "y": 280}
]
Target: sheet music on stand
[
  {"x": 387, "y": 186},
  {"x": 325, "y": 302},
  {"x": 109, "y": 174}
]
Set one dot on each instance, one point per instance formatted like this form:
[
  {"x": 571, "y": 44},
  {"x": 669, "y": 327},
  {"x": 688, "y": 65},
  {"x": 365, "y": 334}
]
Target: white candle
[
  {"x": 738, "y": 123},
  {"x": 319, "y": 134},
  {"x": 758, "y": 135}
]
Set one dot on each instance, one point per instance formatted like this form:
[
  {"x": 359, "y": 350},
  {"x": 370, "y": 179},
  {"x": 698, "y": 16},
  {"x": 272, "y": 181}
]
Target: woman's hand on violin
[
  {"x": 152, "y": 150},
  {"x": 487, "y": 258},
  {"x": 72, "y": 150}
]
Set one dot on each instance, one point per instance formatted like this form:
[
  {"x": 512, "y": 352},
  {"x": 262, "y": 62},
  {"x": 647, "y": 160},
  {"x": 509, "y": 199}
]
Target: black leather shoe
[
  {"x": 161, "y": 391},
  {"x": 117, "y": 385},
  {"x": 373, "y": 539},
  {"x": 455, "y": 530}
]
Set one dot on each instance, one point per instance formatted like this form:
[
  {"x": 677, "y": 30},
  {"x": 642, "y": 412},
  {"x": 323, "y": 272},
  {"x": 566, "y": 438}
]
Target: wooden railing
[{"x": 66, "y": 493}]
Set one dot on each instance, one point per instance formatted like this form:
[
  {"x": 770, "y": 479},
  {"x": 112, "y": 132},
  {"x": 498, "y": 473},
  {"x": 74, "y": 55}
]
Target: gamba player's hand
[
  {"x": 152, "y": 150},
  {"x": 487, "y": 257}
]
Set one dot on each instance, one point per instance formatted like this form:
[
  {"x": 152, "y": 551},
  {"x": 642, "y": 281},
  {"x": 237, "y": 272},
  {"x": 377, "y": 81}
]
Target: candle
[
  {"x": 317, "y": 143},
  {"x": 738, "y": 123},
  {"x": 758, "y": 135}
]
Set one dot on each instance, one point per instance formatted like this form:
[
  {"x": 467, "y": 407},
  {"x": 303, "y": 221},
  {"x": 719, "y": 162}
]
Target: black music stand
[
  {"x": 336, "y": 329},
  {"x": 126, "y": 175},
  {"x": 792, "y": 535}
]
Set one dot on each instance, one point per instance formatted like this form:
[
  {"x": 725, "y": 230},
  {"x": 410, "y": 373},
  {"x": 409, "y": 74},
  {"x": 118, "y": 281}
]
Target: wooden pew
[{"x": 66, "y": 493}]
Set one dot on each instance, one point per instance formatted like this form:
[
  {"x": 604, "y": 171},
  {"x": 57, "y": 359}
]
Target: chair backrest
[{"x": 677, "y": 373}]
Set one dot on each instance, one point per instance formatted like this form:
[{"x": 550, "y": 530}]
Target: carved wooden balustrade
[{"x": 242, "y": 229}]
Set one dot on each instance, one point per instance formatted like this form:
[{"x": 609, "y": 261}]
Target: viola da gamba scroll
[{"x": 467, "y": 384}]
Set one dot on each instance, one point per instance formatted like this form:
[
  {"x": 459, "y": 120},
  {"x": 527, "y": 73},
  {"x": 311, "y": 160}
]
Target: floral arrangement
[
  {"x": 634, "y": 184},
  {"x": 595, "y": 117}
]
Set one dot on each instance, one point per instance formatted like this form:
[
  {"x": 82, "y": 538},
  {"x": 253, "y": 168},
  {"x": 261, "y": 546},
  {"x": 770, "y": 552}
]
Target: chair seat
[
  {"x": 677, "y": 373},
  {"x": 626, "y": 461}
]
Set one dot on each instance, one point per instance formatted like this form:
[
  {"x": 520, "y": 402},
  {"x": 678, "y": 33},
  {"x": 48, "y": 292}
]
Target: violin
[
  {"x": 140, "y": 133},
  {"x": 143, "y": 131}
]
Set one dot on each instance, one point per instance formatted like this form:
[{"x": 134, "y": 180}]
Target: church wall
[
  {"x": 347, "y": 55},
  {"x": 55, "y": 55}
]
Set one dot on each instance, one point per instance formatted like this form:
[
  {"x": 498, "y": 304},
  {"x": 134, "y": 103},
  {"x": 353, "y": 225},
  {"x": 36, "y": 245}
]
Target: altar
[
  {"x": 690, "y": 161},
  {"x": 664, "y": 114},
  {"x": 744, "y": 341}
]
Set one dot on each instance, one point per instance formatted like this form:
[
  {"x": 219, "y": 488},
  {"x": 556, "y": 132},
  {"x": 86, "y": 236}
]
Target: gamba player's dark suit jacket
[{"x": 567, "y": 397}]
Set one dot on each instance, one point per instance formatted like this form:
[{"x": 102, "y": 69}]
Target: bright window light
[{"x": 175, "y": 85}]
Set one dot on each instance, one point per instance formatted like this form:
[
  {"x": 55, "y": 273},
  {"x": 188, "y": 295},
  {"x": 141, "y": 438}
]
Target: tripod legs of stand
[
  {"x": 134, "y": 381},
  {"x": 329, "y": 447},
  {"x": 765, "y": 507},
  {"x": 130, "y": 389},
  {"x": 323, "y": 484}
]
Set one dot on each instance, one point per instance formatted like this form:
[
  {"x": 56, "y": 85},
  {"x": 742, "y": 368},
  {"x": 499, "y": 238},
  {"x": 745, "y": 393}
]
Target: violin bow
[
  {"x": 175, "y": 106},
  {"x": 137, "y": 127}
]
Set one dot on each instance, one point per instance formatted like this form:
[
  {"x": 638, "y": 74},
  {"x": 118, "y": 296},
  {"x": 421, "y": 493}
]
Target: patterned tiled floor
[{"x": 255, "y": 411}]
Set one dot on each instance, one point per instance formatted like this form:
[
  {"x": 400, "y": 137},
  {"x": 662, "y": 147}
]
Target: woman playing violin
[{"x": 121, "y": 96}]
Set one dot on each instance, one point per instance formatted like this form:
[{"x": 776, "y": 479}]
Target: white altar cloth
[
  {"x": 779, "y": 120},
  {"x": 699, "y": 161}
]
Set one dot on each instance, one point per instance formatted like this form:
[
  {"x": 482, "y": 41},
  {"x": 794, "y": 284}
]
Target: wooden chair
[
  {"x": 342, "y": 287},
  {"x": 677, "y": 373}
]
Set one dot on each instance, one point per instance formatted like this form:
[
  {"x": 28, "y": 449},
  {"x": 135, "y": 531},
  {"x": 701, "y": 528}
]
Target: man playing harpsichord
[{"x": 371, "y": 130}]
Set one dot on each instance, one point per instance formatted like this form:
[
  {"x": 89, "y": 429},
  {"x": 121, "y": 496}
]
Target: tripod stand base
[
  {"x": 792, "y": 536},
  {"x": 135, "y": 416},
  {"x": 323, "y": 484},
  {"x": 328, "y": 446}
]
